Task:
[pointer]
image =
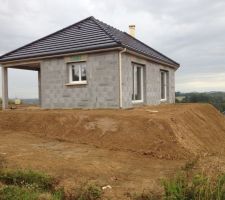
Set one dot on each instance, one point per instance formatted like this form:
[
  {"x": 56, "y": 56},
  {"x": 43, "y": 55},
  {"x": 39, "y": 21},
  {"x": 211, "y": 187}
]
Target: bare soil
[{"x": 131, "y": 150}]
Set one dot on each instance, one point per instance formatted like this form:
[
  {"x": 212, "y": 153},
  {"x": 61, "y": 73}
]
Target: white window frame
[
  {"x": 142, "y": 82},
  {"x": 80, "y": 64},
  {"x": 165, "y": 74}
]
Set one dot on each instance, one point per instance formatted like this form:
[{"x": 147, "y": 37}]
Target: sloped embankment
[{"x": 166, "y": 131}]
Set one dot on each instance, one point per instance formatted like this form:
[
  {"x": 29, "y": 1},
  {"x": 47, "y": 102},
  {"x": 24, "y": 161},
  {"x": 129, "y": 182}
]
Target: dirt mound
[{"x": 166, "y": 131}]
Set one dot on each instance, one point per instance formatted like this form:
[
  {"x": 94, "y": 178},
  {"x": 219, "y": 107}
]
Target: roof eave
[
  {"x": 157, "y": 60},
  {"x": 111, "y": 47},
  {"x": 8, "y": 53},
  {"x": 62, "y": 54}
]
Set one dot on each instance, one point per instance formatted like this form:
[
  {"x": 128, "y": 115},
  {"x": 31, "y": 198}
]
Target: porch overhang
[{"x": 34, "y": 66}]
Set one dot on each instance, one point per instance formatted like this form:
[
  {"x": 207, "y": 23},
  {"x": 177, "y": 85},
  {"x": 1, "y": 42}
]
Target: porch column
[
  {"x": 4, "y": 87},
  {"x": 39, "y": 86}
]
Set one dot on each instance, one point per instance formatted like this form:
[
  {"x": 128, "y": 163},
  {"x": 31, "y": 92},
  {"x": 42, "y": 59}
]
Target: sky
[{"x": 190, "y": 32}]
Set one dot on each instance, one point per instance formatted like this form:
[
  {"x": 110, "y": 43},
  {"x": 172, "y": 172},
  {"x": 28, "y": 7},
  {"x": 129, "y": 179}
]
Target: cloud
[
  {"x": 191, "y": 32},
  {"x": 201, "y": 82},
  {"x": 23, "y": 83}
]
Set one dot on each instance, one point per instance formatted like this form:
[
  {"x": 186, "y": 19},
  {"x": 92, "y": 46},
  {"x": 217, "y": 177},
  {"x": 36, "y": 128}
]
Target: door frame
[{"x": 142, "y": 82}]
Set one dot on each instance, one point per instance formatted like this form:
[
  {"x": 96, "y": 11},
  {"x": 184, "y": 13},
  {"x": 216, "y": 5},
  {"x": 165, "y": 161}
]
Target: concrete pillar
[
  {"x": 39, "y": 86},
  {"x": 4, "y": 88}
]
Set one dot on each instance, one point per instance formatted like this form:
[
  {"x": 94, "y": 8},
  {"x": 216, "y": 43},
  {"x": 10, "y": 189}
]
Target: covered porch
[{"x": 34, "y": 66}]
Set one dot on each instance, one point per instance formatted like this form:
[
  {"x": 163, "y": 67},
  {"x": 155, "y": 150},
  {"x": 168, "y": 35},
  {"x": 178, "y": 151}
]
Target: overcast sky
[{"x": 190, "y": 32}]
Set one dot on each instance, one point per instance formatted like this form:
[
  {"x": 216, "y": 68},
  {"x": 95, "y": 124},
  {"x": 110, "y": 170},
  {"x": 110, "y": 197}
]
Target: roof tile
[{"x": 87, "y": 34}]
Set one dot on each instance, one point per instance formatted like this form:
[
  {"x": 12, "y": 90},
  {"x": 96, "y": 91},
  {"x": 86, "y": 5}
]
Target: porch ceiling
[{"x": 25, "y": 66}]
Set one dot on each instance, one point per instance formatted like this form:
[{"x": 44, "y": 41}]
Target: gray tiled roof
[{"x": 88, "y": 34}]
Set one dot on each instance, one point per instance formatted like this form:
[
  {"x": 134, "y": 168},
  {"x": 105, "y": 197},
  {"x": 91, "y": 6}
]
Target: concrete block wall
[
  {"x": 101, "y": 91},
  {"x": 152, "y": 81}
]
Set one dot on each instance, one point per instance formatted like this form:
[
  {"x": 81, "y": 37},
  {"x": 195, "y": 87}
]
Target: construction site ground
[{"x": 130, "y": 150}]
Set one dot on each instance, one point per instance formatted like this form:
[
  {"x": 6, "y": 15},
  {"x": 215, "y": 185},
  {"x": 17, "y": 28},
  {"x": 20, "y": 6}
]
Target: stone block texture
[
  {"x": 152, "y": 81},
  {"x": 102, "y": 88}
]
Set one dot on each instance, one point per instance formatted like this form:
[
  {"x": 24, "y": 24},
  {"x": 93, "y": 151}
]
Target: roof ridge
[
  {"x": 122, "y": 32},
  {"x": 150, "y": 47},
  {"x": 105, "y": 30},
  {"x": 74, "y": 24},
  {"x": 111, "y": 36}
]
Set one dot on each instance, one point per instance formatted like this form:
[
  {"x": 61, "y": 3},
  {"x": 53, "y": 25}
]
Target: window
[
  {"x": 77, "y": 73},
  {"x": 137, "y": 95},
  {"x": 164, "y": 77}
]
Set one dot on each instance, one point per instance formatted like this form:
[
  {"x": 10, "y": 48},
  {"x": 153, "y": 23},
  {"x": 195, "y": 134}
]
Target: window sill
[
  {"x": 163, "y": 100},
  {"x": 77, "y": 83},
  {"x": 137, "y": 101}
]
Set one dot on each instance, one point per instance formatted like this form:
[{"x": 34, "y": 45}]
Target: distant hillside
[
  {"x": 217, "y": 99},
  {"x": 30, "y": 101}
]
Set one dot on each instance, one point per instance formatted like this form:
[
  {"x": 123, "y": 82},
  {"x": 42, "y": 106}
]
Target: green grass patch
[
  {"x": 189, "y": 184},
  {"x": 24, "y": 193},
  {"x": 28, "y": 185},
  {"x": 183, "y": 187},
  {"x": 29, "y": 178},
  {"x": 198, "y": 187},
  {"x": 17, "y": 193}
]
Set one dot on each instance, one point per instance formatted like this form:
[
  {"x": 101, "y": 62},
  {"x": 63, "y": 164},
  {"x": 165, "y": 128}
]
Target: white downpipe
[{"x": 120, "y": 76}]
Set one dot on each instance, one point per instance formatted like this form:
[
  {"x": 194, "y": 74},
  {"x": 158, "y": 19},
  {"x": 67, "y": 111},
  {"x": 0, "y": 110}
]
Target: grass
[
  {"x": 28, "y": 185},
  {"x": 24, "y": 193},
  {"x": 86, "y": 192},
  {"x": 147, "y": 196},
  {"x": 18, "y": 193},
  {"x": 199, "y": 187},
  {"x": 2, "y": 162},
  {"x": 38, "y": 180},
  {"x": 189, "y": 184}
]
